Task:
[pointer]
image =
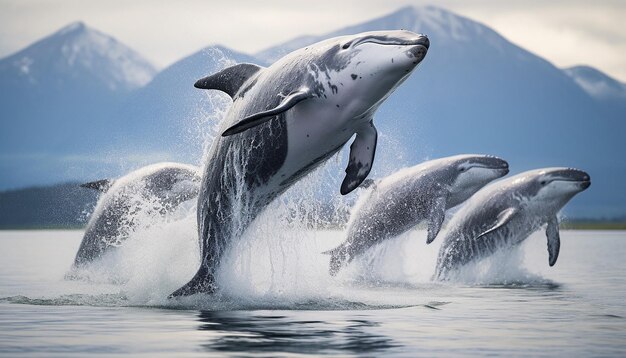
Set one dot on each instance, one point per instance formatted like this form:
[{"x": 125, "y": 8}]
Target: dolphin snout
[
  {"x": 585, "y": 181},
  {"x": 577, "y": 175},
  {"x": 424, "y": 41},
  {"x": 498, "y": 164},
  {"x": 418, "y": 52},
  {"x": 419, "y": 48},
  {"x": 505, "y": 167},
  {"x": 582, "y": 178}
]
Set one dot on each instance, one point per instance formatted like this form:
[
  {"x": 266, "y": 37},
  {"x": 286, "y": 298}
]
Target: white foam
[{"x": 278, "y": 264}]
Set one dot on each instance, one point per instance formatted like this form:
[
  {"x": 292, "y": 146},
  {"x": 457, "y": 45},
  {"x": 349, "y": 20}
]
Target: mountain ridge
[
  {"x": 597, "y": 83},
  {"x": 76, "y": 47},
  {"x": 475, "y": 92},
  {"x": 57, "y": 93}
]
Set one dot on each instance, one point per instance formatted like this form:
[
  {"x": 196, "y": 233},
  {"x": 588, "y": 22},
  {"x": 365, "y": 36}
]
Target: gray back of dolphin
[
  {"x": 285, "y": 121},
  {"x": 406, "y": 198},
  {"x": 505, "y": 213},
  {"x": 169, "y": 184}
]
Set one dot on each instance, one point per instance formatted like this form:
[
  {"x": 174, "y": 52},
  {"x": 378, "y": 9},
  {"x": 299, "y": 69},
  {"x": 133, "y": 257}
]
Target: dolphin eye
[
  {"x": 346, "y": 45},
  {"x": 543, "y": 182},
  {"x": 462, "y": 169}
]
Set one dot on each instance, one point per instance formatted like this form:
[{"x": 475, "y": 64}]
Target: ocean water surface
[{"x": 277, "y": 298}]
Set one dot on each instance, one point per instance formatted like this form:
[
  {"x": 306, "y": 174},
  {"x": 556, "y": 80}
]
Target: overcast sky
[{"x": 565, "y": 32}]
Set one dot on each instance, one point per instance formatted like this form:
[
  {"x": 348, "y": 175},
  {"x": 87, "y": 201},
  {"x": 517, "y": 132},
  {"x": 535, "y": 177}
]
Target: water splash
[
  {"x": 206, "y": 116},
  {"x": 503, "y": 268},
  {"x": 276, "y": 262}
]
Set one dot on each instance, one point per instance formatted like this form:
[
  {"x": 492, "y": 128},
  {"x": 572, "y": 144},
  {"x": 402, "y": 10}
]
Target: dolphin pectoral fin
[
  {"x": 229, "y": 80},
  {"x": 99, "y": 185},
  {"x": 362, "y": 153},
  {"x": 503, "y": 218},
  {"x": 554, "y": 240},
  {"x": 436, "y": 217},
  {"x": 254, "y": 120}
]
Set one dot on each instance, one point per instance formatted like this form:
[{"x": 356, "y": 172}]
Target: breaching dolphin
[
  {"x": 505, "y": 213},
  {"x": 287, "y": 119},
  {"x": 165, "y": 185},
  {"x": 404, "y": 199}
]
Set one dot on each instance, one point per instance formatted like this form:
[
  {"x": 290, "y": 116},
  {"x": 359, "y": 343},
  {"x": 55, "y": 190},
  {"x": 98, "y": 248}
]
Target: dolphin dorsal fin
[
  {"x": 503, "y": 218},
  {"x": 99, "y": 185},
  {"x": 362, "y": 153},
  {"x": 285, "y": 104},
  {"x": 554, "y": 240},
  {"x": 229, "y": 80}
]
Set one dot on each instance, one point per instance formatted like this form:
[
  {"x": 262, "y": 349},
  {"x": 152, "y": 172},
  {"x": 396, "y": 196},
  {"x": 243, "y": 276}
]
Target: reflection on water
[
  {"x": 248, "y": 332},
  {"x": 546, "y": 285},
  {"x": 572, "y": 309}
]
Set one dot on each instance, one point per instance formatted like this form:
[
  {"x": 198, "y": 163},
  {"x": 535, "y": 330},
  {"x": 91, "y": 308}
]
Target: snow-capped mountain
[
  {"x": 77, "y": 55},
  {"x": 609, "y": 93},
  {"x": 76, "y": 106},
  {"x": 57, "y": 95},
  {"x": 79, "y": 128},
  {"x": 598, "y": 84},
  {"x": 476, "y": 92},
  {"x": 447, "y": 27}
]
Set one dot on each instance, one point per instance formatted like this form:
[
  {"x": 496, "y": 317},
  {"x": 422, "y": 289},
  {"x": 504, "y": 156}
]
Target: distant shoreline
[
  {"x": 594, "y": 225},
  {"x": 33, "y": 228}
]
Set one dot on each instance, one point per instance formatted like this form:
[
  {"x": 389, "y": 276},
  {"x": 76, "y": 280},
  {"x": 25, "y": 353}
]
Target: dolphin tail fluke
[{"x": 202, "y": 282}]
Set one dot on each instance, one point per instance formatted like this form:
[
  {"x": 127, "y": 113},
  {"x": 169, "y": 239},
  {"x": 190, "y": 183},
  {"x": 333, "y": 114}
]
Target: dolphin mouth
[
  {"x": 418, "y": 45},
  {"x": 571, "y": 180},
  {"x": 421, "y": 41},
  {"x": 500, "y": 167},
  {"x": 571, "y": 175},
  {"x": 583, "y": 182}
]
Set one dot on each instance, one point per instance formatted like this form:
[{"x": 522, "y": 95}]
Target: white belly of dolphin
[{"x": 312, "y": 134}]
